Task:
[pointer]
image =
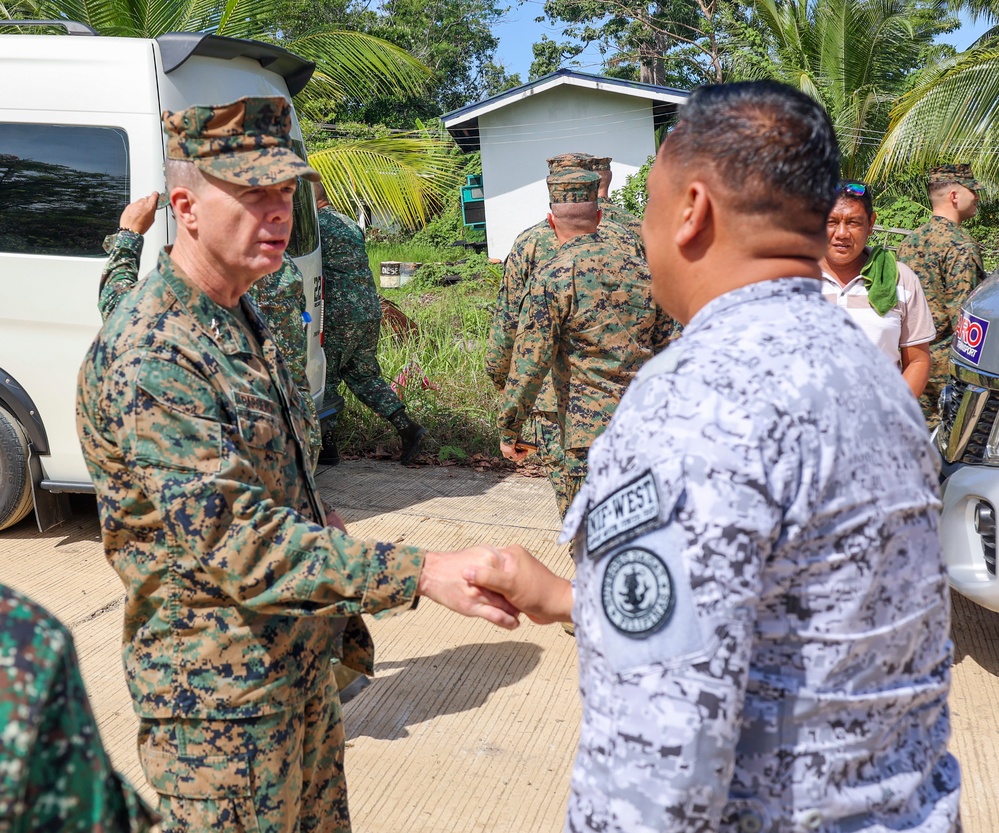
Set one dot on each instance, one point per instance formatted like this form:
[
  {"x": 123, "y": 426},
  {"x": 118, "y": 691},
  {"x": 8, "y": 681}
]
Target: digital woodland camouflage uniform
[
  {"x": 760, "y": 606},
  {"x": 280, "y": 297},
  {"x": 237, "y": 596},
  {"x": 532, "y": 248},
  {"x": 949, "y": 266},
  {"x": 587, "y": 318},
  {"x": 353, "y": 315},
  {"x": 54, "y": 773}
]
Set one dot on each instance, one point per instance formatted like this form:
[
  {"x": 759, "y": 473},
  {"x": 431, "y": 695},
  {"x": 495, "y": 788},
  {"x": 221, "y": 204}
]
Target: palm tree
[
  {"x": 405, "y": 176},
  {"x": 854, "y": 56},
  {"x": 950, "y": 114}
]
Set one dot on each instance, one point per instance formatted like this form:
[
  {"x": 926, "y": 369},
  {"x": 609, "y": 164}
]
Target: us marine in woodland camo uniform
[
  {"x": 612, "y": 211},
  {"x": 54, "y": 773},
  {"x": 353, "y": 321},
  {"x": 761, "y": 609},
  {"x": 949, "y": 265},
  {"x": 237, "y": 596},
  {"x": 588, "y": 319},
  {"x": 280, "y": 297},
  {"x": 533, "y": 247}
]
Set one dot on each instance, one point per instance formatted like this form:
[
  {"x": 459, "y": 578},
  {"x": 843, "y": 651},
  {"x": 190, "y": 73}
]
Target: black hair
[
  {"x": 865, "y": 198},
  {"x": 772, "y": 146}
]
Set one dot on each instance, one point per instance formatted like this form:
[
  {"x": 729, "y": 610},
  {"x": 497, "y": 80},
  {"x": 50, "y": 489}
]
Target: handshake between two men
[{"x": 497, "y": 584}]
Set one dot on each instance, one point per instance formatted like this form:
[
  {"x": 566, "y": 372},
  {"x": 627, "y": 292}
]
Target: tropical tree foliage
[
  {"x": 401, "y": 175},
  {"x": 951, "y": 114},
  {"x": 855, "y": 56}
]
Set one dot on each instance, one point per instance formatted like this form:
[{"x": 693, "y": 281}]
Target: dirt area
[{"x": 465, "y": 727}]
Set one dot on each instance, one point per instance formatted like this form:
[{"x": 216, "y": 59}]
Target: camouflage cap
[
  {"x": 573, "y": 185},
  {"x": 565, "y": 160},
  {"x": 247, "y": 142},
  {"x": 596, "y": 163},
  {"x": 959, "y": 173}
]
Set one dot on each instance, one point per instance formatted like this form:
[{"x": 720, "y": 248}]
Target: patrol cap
[
  {"x": 247, "y": 141},
  {"x": 566, "y": 160},
  {"x": 959, "y": 173},
  {"x": 573, "y": 185},
  {"x": 596, "y": 163}
]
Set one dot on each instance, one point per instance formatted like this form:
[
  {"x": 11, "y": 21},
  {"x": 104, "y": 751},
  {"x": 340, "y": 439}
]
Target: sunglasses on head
[{"x": 858, "y": 189}]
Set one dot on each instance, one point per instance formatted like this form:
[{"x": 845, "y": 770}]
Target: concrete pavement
[{"x": 465, "y": 727}]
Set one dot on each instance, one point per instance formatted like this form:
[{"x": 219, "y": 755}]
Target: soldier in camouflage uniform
[
  {"x": 587, "y": 318},
  {"x": 611, "y": 210},
  {"x": 54, "y": 773},
  {"x": 761, "y": 608},
  {"x": 353, "y": 320},
  {"x": 237, "y": 597},
  {"x": 280, "y": 297},
  {"x": 949, "y": 265},
  {"x": 533, "y": 247}
]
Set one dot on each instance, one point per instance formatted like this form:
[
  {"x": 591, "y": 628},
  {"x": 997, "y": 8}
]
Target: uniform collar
[
  {"x": 215, "y": 321},
  {"x": 762, "y": 291}
]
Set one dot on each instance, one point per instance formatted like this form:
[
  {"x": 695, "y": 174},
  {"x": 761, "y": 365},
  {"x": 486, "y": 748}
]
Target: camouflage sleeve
[
  {"x": 121, "y": 272},
  {"x": 218, "y": 499},
  {"x": 542, "y": 315},
  {"x": 665, "y": 330},
  {"x": 281, "y": 300},
  {"x": 506, "y": 317},
  {"x": 964, "y": 273},
  {"x": 676, "y": 691},
  {"x": 55, "y": 775}
]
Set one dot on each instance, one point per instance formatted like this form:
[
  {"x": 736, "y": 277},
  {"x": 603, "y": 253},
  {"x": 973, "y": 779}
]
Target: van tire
[{"x": 15, "y": 477}]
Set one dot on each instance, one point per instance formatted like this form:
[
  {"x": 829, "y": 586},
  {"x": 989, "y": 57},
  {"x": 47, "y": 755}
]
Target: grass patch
[
  {"x": 449, "y": 350},
  {"x": 410, "y": 253}
]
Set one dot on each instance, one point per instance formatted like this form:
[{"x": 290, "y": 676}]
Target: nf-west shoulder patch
[{"x": 623, "y": 515}]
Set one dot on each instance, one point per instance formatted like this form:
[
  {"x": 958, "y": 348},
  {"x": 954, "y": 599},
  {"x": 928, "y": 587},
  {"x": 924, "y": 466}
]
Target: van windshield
[
  {"x": 62, "y": 188},
  {"x": 305, "y": 231}
]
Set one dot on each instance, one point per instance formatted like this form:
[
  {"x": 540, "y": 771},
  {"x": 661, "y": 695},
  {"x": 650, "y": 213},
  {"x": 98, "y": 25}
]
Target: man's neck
[
  {"x": 206, "y": 275},
  {"x": 948, "y": 212},
  {"x": 845, "y": 272}
]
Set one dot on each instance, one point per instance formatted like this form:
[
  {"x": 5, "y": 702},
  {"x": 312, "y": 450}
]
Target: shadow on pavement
[
  {"x": 975, "y": 632},
  {"x": 456, "y": 680}
]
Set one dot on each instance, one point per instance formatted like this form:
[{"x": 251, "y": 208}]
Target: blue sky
[{"x": 518, "y": 31}]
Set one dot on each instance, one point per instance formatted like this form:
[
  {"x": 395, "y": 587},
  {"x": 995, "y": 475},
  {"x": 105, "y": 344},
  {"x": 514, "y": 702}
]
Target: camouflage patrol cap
[
  {"x": 959, "y": 173},
  {"x": 247, "y": 142},
  {"x": 596, "y": 163},
  {"x": 573, "y": 185},
  {"x": 565, "y": 160}
]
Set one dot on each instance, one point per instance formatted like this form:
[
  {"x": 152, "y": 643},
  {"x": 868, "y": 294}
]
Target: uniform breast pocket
[{"x": 260, "y": 423}]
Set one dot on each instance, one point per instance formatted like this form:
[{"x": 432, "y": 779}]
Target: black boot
[
  {"x": 329, "y": 456},
  {"x": 411, "y": 434}
]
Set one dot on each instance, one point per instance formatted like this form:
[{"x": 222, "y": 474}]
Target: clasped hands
[{"x": 496, "y": 584}]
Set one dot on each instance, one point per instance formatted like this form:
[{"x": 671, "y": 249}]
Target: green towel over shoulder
[{"x": 880, "y": 275}]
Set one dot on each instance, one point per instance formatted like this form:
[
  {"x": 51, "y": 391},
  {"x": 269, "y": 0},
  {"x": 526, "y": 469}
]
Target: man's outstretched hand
[
  {"x": 527, "y": 584},
  {"x": 443, "y": 580}
]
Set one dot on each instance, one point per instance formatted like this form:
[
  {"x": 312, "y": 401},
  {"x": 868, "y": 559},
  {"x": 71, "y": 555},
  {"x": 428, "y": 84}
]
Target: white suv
[{"x": 80, "y": 138}]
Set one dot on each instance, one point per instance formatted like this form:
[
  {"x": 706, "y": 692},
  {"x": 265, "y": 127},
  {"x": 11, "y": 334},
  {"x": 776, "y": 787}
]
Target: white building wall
[{"x": 518, "y": 138}]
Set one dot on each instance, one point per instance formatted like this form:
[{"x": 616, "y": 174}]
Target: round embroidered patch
[{"x": 637, "y": 592}]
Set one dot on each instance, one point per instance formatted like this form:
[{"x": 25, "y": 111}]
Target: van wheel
[{"x": 15, "y": 480}]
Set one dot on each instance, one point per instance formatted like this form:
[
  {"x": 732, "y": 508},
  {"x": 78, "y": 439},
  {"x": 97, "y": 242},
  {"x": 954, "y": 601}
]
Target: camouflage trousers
[
  {"x": 565, "y": 472},
  {"x": 939, "y": 377},
  {"x": 352, "y": 357},
  {"x": 280, "y": 773}
]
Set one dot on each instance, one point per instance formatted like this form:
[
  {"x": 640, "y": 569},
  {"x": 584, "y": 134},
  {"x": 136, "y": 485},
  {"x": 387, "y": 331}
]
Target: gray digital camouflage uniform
[
  {"x": 761, "y": 611},
  {"x": 237, "y": 596},
  {"x": 353, "y": 316},
  {"x": 54, "y": 773},
  {"x": 280, "y": 298},
  {"x": 587, "y": 318},
  {"x": 948, "y": 263}
]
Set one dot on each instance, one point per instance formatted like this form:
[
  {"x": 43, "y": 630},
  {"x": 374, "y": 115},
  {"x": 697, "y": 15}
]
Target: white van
[{"x": 80, "y": 138}]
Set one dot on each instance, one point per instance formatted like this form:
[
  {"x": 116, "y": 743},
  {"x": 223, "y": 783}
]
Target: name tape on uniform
[{"x": 629, "y": 508}]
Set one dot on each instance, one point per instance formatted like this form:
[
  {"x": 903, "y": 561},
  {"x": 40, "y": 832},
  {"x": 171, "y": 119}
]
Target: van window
[
  {"x": 62, "y": 188},
  {"x": 305, "y": 229}
]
